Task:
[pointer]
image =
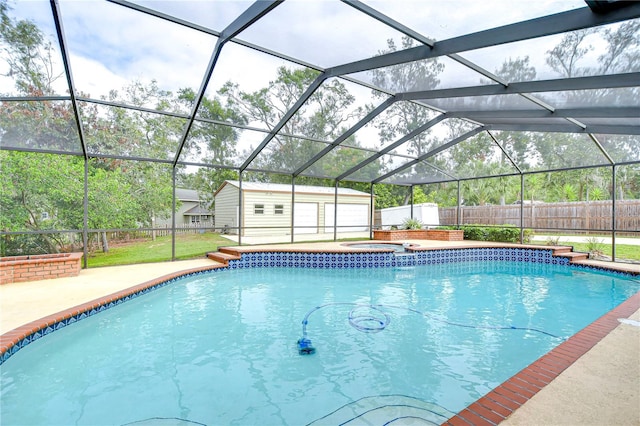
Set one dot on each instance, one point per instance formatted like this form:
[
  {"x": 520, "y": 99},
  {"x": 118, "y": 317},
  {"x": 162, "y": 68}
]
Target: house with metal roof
[{"x": 278, "y": 209}]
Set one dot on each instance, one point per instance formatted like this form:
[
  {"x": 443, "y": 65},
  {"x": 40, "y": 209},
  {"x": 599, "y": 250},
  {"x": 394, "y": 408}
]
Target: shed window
[
  {"x": 278, "y": 209},
  {"x": 258, "y": 209}
]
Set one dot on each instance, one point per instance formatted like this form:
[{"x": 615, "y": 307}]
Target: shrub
[
  {"x": 553, "y": 241},
  {"x": 475, "y": 232},
  {"x": 595, "y": 246},
  {"x": 411, "y": 223},
  {"x": 504, "y": 234}
]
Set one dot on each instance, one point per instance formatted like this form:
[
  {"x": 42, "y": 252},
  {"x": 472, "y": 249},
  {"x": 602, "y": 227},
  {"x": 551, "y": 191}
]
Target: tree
[
  {"x": 40, "y": 192},
  {"x": 28, "y": 54},
  {"x": 36, "y": 186},
  {"x": 404, "y": 117},
  {"x": 564, "y": 57},
  {"x": 323, "y": 117}
]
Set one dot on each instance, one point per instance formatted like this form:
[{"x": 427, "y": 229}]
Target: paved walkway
[{"x": 602, "y": 387}]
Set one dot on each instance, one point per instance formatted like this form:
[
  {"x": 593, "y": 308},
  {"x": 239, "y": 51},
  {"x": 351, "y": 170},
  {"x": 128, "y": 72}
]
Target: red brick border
[{"x": 498, "y": 404}]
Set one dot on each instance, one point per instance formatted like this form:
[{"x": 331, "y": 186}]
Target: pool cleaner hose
[{"x": 372, "y": 319}]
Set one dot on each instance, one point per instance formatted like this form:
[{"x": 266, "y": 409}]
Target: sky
[{"x": 112, "y": 46}]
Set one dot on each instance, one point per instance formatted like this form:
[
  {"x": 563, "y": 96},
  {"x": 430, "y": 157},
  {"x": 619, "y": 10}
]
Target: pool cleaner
[
  {"x": 304, "y": 344},
  {"x": 305, "y": 347}
]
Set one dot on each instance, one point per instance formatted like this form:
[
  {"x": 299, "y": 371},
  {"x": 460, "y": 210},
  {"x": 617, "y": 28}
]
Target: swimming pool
[{"x": 177, "y": 355}]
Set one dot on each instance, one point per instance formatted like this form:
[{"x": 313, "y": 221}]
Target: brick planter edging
[
  {"x": 445, "y": 234},
  {"x": 14, "y": 269},
  {"x": 418, "y": 234}
]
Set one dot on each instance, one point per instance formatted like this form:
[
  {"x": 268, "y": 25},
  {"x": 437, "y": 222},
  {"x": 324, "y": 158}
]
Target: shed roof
[{"x": 283, "y": 188}]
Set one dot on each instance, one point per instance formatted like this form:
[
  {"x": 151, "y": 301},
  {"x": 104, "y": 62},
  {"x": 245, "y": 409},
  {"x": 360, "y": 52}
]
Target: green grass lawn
[
  {"x": 188, "y": 246},
  {"x": 191, "y": 246},
  {"x": 622, "y": 251}
]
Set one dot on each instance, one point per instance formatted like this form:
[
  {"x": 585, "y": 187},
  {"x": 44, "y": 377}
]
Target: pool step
[
  {"x": 222, "y": 257},
  {"x": 570, "y": 254}
]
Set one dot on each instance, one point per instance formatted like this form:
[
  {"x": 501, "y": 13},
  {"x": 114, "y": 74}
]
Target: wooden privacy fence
[{"x": 593, "y": 215}]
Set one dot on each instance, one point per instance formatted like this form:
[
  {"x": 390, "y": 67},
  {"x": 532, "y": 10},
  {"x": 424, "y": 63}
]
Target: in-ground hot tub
[{"x": 397, "y": 247}]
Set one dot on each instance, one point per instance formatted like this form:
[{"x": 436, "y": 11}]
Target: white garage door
[
  {"x": 351, "y": 217},
  {"x": 305, "y": 218}
]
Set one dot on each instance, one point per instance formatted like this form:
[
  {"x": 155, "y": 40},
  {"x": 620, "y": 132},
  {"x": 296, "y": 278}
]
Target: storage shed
[{"x": 267, "y": 209}]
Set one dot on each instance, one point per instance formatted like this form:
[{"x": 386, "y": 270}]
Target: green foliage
[
  {"x": 28, "y": 55},
  {"x": 411, "y": 223},
  {"x": 553, "y": 241},
  {"x": 595, "y": 246},
  {"x": 623, "y": 251},
  {"x": 504, "y": 233}
]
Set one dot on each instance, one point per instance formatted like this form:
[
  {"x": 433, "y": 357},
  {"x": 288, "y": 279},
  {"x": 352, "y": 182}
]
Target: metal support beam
[
  {"x": 459, "y": 209},
  {"x": 555, "y": 85},
  {"x": 411, "y": 200},
  {"x": 301, "y": 100},
  {"x": 173, "y": 214},
  {"x": 393, "y": 146},
  {"x": 360, "y": 124},
  {"x": 572, "y": 20},
  {"x": 601, "y": 148},
  {"x": 240, "y": 209},
  {"x": 256, "y": 11},
  {"x": 567, "y": 128},
  {"x": 431, "y": 153},
  {"x": 372, "y": 213},
  {"x": 85, "y": 214},
  {"x": 55, "y": 10},
  {"x": 504, "y": 152},
  {"x": 521, "y": 208},
  {"x": 613, "y": 213},
  {"x": 293, "y": 204},
  {"x": 422, "y": 39},
  {"x": 335, "y": 212},
  {"x": 588, "y": 112}
]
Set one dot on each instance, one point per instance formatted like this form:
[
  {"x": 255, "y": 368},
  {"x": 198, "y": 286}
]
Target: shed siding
[
  {"x": 270, "y": 223},
  {"x": 225, "y": 208}
]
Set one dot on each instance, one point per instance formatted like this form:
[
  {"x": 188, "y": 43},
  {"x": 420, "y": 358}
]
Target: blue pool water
[{"x": 220, "y": 348}]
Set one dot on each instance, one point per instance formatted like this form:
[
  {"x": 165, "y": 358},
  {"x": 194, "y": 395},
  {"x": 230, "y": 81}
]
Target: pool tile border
[
  {"x": 491, "y": 409},
  {"x": 16, "y": 339}
]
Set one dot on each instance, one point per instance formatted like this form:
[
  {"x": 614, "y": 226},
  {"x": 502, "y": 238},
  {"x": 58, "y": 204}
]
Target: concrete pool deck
[{"x": 601, "y": 387}]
